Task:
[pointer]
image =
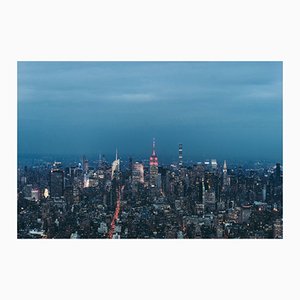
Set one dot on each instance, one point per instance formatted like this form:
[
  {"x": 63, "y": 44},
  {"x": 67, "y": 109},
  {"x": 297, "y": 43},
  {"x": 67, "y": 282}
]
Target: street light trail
[{"x": 116, "y": 214}]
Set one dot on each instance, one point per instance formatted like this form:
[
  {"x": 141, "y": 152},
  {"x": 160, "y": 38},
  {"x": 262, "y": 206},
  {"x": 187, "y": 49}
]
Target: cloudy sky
[{"x": 216, "y": 109}]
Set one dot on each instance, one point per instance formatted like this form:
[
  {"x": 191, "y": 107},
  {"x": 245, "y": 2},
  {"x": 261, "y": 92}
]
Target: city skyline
[
  {"x": 147, "y": 200},
  {"x": 172, "y": 158},
  {"x": 219, "y": 110}
]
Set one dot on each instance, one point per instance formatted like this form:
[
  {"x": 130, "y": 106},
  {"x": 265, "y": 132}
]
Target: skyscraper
[
  {"x": 226, "y": 179},
  {"x": 153, "y": 166},
  {"x": 115, "y": 168},
  {"x": 85, "y": 163},
  {"x": 99, "y": 161},
  {"x": 214, "y": 164},
  {"x": 137, "y": 173},
  {"x": 180, "y": 162},
  {"x": 85, "y": 180},
  {"x": 56, "y": 183},
  {"x": 278, "y": 175}
]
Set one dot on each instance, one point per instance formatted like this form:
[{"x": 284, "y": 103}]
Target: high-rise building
[
  {"x": 277, "y": 170},
  {"x": 225, "y": 168},
  {"x": 85, "y": 164},
  {"x": 99, "y": 161},
  {"x": 46, "y": 193},
  {"x": 137, "y": 173},
  {"x": 56, "y": 183},
  {"x": 180, "y": 157},
  {"x": 115, "y": 168},
  {"x": 158, "y": 181},
  {"x": 214, "y": 164},
  {"x": 103, "y": 163},
  {"x": 245, "y": 213},
  {"x": 86, "y": 181},
  {"x": 226, "y": 178},
  {"x": 153, "y": 166},
  {"x": 264, "y": 193},
  {"x": 57, "y": 165},
  {"x": 278, "y": 229},
  {"x": 278, "y": 180}
]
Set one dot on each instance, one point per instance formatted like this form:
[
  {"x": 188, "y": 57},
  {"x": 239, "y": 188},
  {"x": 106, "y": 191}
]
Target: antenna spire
[{"x": 153, "y": 147}]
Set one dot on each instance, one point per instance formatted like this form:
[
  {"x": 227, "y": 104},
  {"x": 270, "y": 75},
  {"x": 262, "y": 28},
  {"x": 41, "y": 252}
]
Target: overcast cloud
[{"x": 216, "y": 109}]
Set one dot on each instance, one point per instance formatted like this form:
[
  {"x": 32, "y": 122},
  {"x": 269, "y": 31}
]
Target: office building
[
  {"x": 226, "y": 178},
  {"x": 56, "y": 183},
  {"x": 180, "y": 157},
  {"x": 115, "y": 168},
  {"x": 137, "y": 173},
  {"x": 153, "y": 166}
]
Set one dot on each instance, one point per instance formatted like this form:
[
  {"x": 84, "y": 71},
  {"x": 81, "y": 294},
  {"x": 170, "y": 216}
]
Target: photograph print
[{"x": 149, "y": 150}]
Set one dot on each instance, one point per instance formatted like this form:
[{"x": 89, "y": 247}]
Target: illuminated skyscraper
[
  {"x": 226, "y": 179},
  {"x": 86, "y": 181},
  {"x": 225, "y": 168},
  {"x": 180, "y": 162},
  {"x": 115, "y": 168},
  {"x": 214, "y": 164},
  {"x": 137, "y": 173},
  {"x": 153, "y": 166},
  {"x": 85, "y": 163}
]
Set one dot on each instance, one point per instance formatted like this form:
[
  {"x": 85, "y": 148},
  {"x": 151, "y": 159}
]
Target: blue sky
[{"x": 216, "y": 109}]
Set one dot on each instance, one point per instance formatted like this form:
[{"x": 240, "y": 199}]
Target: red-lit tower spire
[{"x": 153, "y": 166}]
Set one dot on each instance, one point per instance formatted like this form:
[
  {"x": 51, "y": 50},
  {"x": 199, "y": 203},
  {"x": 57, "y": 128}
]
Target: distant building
[
  {"x": 75, "y": 235},
  {"x": 27, "y": 190},
  {"x": 264, "y": 193},
  {"x": 219, "y": 232},
  {"x": 158, "y": 181},
  {"x": 209, "y": 199},
  {"x": 35, "y": 195},
  {"x": 46, "y": 193},
  {"x": 57, "y": 165},
  {"x": 278, "y": 180},
  {"x": 214, "y": 164},
  {"x": 86, "y": 181},
  {"x": 103, "y": 229},
  {"x": 180, "y": 157},
  {"x": 278, "y": 229},
  {"x": 245, "y": 213},
  {"x": 226, "y": 178},
  {"x": 56, "y": 183},
  {"x": 115, "y": 168},
  {"x": 153, "y": 166},
  {"x": 85, "y": 164},
  {"x": 137, "y": 173}
]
